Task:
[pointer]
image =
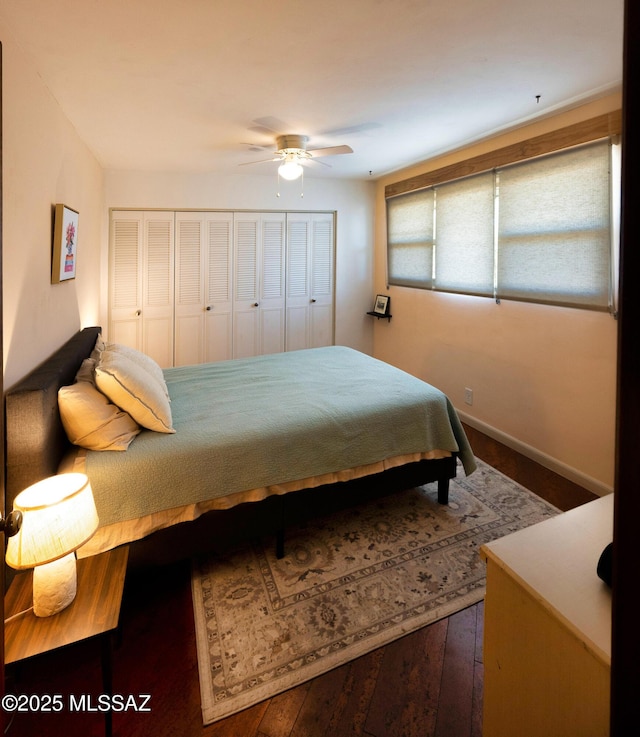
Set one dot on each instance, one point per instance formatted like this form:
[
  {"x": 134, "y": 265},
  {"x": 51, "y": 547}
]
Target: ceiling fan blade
[
  {"x": 351, "y": 130},
  {"x": 261, "y": 161},
  {"x": 257, "y": 146},
  {"x": 330, "y": 151},
  {"x": 311, "y": 160},
  {"x": 268, "y": 125}
]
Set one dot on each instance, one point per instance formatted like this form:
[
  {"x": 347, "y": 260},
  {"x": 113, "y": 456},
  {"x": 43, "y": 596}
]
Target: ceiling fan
[{"x": 292, "y": 152}]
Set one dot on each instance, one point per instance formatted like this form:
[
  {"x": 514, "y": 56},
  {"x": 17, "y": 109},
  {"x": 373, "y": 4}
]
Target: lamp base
[{"x": 54, "y": 586}]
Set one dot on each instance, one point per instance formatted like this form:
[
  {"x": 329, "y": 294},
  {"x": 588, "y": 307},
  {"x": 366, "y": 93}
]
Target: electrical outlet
[{"x": 468, "y": 396}]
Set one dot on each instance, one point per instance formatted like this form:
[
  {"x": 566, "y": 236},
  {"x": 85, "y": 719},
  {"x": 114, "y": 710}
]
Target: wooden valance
[{"x": 602, "y": 126}]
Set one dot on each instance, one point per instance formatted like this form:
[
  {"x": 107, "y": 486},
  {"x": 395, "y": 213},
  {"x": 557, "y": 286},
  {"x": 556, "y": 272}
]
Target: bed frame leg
[
  {"x": 443, "y": 491},
  {"x": 281, "y": 529}
]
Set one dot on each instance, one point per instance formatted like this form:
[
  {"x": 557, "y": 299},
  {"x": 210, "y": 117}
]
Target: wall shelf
[{"x": 378, "y": 315}]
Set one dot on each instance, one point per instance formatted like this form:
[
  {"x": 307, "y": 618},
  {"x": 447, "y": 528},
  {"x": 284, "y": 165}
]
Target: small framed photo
[
  {"x": 65, "y": 244},
  {"x": 381, "y": 306}
]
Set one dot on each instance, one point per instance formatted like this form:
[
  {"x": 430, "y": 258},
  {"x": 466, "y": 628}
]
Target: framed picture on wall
[
  {"x": 65, "y": 244},
  {"x": 381, "y": 306}
]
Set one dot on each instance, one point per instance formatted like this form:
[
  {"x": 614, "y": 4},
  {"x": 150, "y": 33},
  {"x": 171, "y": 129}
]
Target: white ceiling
[{"x": 193, "y": 85}]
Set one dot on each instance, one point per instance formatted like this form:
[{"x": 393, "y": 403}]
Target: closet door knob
[
  {"x": 255, "y": 304},
  {"x": 209, "y": 308},
  {"x": 312, "y": 301},
  {"x": 138, "y": 313}
]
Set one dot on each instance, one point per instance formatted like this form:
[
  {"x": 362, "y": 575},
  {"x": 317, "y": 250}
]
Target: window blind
[
  {"x": 554, "y": 228},
  {"x": 410, "y": 239},
  {"x": 464, "y": 238}
]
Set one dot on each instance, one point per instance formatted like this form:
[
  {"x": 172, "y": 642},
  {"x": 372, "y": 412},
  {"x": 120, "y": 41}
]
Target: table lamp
[{"x": 58, "y": 516}]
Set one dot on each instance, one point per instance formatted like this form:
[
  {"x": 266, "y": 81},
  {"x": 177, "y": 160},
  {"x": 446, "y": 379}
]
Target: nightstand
[
  {"x": 94, "y": 612},
  {"x": 547, "y": 627}
]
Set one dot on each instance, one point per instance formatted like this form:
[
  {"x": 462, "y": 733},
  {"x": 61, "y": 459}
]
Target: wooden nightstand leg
[{"x": 107, "y": 677}]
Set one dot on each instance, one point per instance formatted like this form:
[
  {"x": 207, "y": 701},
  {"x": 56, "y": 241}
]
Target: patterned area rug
[{"x": 349, "y": 583}]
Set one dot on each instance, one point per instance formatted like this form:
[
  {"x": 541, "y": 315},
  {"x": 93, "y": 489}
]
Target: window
[
  {"x": 410, "y": 238},
  {"x": 539, "y": 230}
]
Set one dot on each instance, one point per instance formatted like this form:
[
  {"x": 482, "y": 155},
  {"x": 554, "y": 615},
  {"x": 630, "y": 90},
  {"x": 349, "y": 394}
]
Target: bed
[{"x": 240, "y": 432}]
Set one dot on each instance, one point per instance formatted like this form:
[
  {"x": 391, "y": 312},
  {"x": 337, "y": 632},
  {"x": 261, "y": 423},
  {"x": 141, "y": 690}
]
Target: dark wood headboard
[{"x": 35, "y": 439}]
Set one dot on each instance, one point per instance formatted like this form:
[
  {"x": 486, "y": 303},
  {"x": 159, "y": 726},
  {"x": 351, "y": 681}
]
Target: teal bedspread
[{"x": 249, "y": 423}]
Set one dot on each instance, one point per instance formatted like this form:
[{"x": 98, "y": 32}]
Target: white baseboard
[{"x": 553, "y": 464}]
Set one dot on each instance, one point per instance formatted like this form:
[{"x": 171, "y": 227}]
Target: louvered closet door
[
  {"x": 298, "y": 281},
  {"x": 310, "y": 259},
  {"x": 158, "y": 287},
  {"x": 189, "y": 292},
  {"x": 218, "y": 331},
  {"x": 125, "y": 278},
  {"x": 322, "y": 280},
  {"x": 204, "y": 305},
  {"x": 141, "y": 282},
  {"x": 272, "y": 283},
  {"x": 259, "y": 285}
]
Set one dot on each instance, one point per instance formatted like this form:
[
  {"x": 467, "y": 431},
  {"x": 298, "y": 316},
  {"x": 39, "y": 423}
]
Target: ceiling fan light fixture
[{"x": 290, "y": 169}]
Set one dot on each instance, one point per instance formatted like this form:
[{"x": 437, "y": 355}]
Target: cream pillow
[
  {"x": 91, "y": 421},
  {"x": 135, "y": 390},
  {"x": 97, "y": 348},
  {"x": 85, "y": 372},
  {"x": 144, "y": 361}
]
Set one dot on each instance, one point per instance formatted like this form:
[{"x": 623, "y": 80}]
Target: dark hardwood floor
[{"x": 426, "y": 684}]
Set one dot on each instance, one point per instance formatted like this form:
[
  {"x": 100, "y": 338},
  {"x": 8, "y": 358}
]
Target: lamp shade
[
  {"x": 290, "y": 169},
  {"x": 58, "y": 516}
]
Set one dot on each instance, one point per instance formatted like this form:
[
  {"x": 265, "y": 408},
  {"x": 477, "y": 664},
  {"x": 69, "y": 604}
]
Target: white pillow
[
  {"x": 91, "y": 421},
  {"x": 144, "y": 361},
  {"x": 135, "y": 390}
]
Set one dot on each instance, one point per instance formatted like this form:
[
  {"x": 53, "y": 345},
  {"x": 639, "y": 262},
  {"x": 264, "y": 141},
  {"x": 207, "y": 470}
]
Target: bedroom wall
[
  {"x": 352, "y": 200},
  {"x": 44, "y": 162},
  {"x": 543, "y": 378}
]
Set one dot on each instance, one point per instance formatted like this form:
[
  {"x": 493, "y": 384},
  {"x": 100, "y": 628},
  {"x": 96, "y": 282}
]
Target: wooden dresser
[{"x": 547, "y": 639}]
